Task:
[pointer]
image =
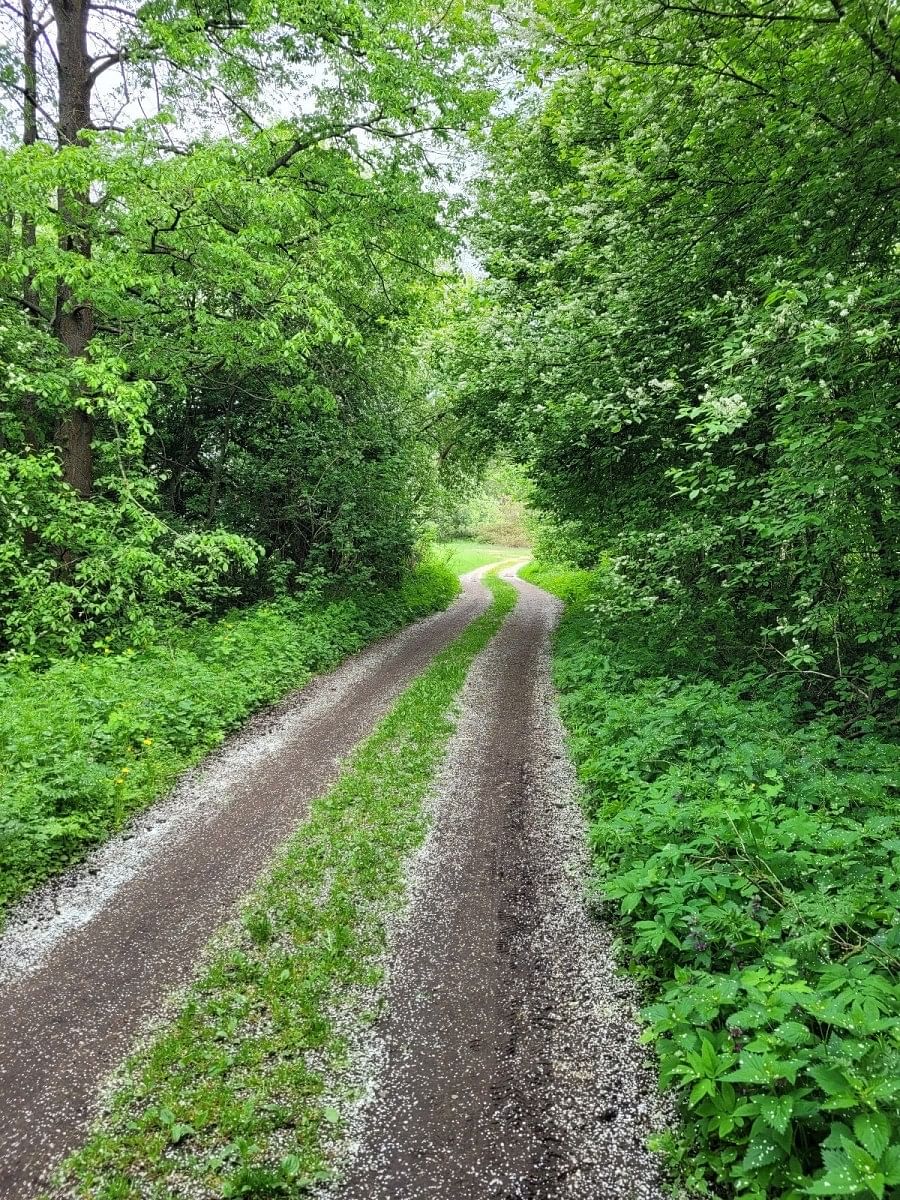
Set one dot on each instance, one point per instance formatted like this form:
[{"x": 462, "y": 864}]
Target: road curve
[
  {"x": 507, "y": 1065},
  {"x": 87, "y": 962}
]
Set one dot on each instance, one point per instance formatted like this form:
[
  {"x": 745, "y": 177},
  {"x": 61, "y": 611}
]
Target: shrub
[{"x": 753, "y": 862}]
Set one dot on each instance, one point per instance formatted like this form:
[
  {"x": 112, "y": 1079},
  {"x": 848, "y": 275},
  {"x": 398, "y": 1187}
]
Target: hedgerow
[
  {"x": 753, "y": 861},
  {"x": 89, "y": 740}
]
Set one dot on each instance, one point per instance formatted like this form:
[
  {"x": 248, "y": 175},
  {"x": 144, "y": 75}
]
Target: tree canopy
[{"x": 223, "y": 231}]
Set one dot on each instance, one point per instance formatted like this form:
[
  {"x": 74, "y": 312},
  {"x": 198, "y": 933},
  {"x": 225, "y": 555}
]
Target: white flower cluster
[{"x": 731, "y": 410}]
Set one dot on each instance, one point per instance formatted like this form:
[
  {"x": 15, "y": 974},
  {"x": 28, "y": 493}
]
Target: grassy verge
[
  {"x": 230, "y": 1099},
  {"x": 90, "y": 740},
  {"x": 466, "y": 556},
  {"x": 754, "y": 861}
]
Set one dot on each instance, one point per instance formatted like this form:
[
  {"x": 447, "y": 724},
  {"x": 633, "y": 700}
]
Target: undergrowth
[
  {"x": 230, "y": 1099},
  {"x": 754, "y": 860},
  {"x": 89, "y": 740}
]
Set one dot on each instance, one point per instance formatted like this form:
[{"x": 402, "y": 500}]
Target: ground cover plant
[
  {"x": 233, "y": 1097},
  {"x": 753, "y": 861},
  {"x": 89, "y": 740}
]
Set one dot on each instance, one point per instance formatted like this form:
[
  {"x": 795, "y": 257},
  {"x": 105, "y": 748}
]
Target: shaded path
[
  {"x": 508, "y": 1063},
  {"x": 86, "y": 964}
]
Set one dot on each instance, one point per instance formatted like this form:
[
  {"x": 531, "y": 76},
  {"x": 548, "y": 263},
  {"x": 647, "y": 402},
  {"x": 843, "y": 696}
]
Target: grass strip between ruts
[{"x": 231, "y": 1097}]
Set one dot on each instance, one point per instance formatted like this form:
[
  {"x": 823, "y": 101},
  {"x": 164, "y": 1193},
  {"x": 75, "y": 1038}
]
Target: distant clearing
[{"x": 466, "y": 556}]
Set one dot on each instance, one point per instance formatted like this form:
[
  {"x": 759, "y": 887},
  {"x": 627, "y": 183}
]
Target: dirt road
[
  {"x": 507, "y": 1065},
  {"x": 89, "y": 960}
]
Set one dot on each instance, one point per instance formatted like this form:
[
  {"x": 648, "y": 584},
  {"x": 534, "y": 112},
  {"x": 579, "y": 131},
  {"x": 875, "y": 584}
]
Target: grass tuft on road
[{"x": 231, "y": 1099}]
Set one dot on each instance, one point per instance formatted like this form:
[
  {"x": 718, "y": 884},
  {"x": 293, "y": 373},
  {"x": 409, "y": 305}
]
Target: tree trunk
[
  {"x": 29, "y": 227},
  {"x": 215, "y": 490},
  {"x": 74, "y": 319}
]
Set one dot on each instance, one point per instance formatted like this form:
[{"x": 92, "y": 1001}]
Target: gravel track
[
  {"x": 507, "y": 1064},
  {"x": 87, "y": 961}
]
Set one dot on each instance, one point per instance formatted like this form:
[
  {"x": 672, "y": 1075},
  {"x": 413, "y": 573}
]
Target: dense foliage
[
  {"x": 689, "y": 327},
  {"x": 87, "y": 741},
  {"x": 755, "y": 867},
  {"x": 228, "y": 374},
  {"x": 220, "y": 236}
]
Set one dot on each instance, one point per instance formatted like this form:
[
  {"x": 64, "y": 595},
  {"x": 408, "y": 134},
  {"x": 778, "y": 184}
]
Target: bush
[
  {"x": 123, "y": 574},
  {"x": 754, "y": 864},
  {"x": 89, "y": 740}
]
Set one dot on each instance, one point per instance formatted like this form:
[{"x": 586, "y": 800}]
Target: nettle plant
[{"x": 755, "y": 867}]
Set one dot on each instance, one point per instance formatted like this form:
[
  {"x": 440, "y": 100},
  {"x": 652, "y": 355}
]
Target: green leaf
[
  {"x": 761, "y": 1152},
  {"x": 873, "y": 1130},
  {"x": 776, "y": 1111},
  {"x": 832, "y": 1081}
]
